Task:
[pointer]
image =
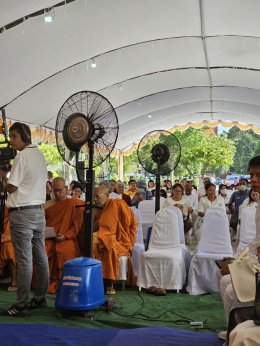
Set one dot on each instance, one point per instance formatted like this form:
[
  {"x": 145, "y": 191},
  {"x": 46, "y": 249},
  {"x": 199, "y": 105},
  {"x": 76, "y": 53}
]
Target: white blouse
[
  {"x": 205, "y": 203},
  {"x": 184, "y": 202}
]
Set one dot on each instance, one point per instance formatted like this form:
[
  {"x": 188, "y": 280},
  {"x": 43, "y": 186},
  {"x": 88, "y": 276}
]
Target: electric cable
[{"x": 138, "y": 315}]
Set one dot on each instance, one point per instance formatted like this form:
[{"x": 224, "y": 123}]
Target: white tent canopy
[{"x": 178, "y": 61}]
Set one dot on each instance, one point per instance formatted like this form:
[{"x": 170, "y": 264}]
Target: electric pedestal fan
[
  {"x": 86, "y": 132},
  {"x": 159, "y": 153}
]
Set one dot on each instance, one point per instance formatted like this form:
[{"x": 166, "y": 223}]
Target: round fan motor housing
[
  {"x": 76, "y": 131},
  {"x": 160, "y": 154}
]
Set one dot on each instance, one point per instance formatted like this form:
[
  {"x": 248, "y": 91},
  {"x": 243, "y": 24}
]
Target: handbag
[
  {"x": 188, "y": 224},
  {"x": 242, "y": 271}
]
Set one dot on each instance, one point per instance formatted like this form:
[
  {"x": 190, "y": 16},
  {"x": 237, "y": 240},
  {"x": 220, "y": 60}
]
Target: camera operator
[{"x": 26, "y": 187}]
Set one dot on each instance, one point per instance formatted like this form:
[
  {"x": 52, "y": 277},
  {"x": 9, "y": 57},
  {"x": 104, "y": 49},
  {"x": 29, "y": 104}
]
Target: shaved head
[{"x": 101, "y": 195}]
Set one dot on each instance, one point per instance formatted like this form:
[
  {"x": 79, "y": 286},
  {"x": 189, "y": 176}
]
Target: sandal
[
  {"x": 110, "y": 291},
  {"x": 151, "y": 290},
  {"x": 12, "y": 288},
  {"x": 160, "y": 292}
]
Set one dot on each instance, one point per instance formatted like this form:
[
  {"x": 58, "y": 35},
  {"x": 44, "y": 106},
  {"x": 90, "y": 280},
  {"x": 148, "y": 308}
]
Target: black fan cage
[
  {"x": 145, "y": 150},
  {"x": 99, "y": 113}
]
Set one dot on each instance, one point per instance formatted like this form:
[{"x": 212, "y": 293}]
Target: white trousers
[{"x": 227, "y": 294}]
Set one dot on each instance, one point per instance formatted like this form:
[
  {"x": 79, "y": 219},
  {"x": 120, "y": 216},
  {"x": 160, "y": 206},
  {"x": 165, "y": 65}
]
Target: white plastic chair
[
  {"x": 136, "y": 253},
  {"x": 139, "y": 245},
  {"x": 163, "y": 265},
  {"x": 122, "y": 271},
  {"x": 184, "y": 248},
  {"x": 214, "y": 244},
  {"x": 147, "y": 212}
]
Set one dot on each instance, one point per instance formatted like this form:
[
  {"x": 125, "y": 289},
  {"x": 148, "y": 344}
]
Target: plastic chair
[
  {"x": 162, "y": 265},
  {"x": 139, "y": 245},
  {"x": 214, "y": 244}
]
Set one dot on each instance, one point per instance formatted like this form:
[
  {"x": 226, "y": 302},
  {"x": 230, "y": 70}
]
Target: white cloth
[
  {"x": 115, "y": 195},
  {"x": 184, "y": 202},
  {"x": 247, "y": 229},
  {"x": 163, "y": 265},
  {"x": 28, "y": 174},
  {"x": 122, "y": 268},
  {"x": 227, "y": 294},
  {"x": 245, "y": 334},
  {"x": 139, "y": 245},
  {"x": 193, "y": 198},
  {"x": 184, "y": 249},
  {"x": 147, "y": 212},
  {"x": 214, "y": 244},
  {"x": 215, "y": 238},
  {"x": 205, "y": 203},
  {"x": 257, "y": 221},
  {"x": 201, "y": 192}
]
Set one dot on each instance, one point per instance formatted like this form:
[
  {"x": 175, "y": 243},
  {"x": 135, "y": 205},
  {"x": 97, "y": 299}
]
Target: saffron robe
[
  {"x": 116, "y": 231},
  {"x": 67, "y": 221},
  {"x": 7, "y": 250}
]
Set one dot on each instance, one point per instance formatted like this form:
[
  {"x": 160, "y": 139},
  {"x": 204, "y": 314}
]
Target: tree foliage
[
  {"x": 51, "y": 154},
  {"x": 247, "y": 146},
  {"x": 200, "y": 154}
]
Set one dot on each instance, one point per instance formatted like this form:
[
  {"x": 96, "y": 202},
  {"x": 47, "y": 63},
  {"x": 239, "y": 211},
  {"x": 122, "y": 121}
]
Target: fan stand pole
[
  {"x": 89, "y": 220},
  {"x": 157, "y": 191}
]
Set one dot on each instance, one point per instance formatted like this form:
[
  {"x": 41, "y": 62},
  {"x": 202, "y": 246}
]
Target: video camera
[
  {"x": 6, "y": 155},
  {"x": 6, "y": 152}
]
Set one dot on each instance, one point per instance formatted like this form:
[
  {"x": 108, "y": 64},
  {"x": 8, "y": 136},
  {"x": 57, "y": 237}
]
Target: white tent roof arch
[{"x": 178, "y": 61}]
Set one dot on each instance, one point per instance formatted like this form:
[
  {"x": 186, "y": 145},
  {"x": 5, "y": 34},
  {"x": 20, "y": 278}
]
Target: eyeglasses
[
  {"x": 58, "y": 190},
  {"x": 102, "y": 194},
  {"x": 177, "y": 190}
]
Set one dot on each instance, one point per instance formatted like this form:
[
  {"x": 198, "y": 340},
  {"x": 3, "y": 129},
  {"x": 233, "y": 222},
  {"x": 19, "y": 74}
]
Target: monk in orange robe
[
  {"x": 114, "y": 235},
  {"x": 7, "y": 253},
  {"x": 62, "y": 215}
]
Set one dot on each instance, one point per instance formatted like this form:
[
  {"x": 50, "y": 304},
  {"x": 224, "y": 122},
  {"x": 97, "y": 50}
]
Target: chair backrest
[
  {"x": 215, "y": 240},
  {"x": 180, "y": 222},
  {"x": 139, "y": 233},
  {"x": 148, "y": 237},
  {"x": 247, "y": 226},
  {"x": 165, "y": 232},
  {"x": 147, "y": 211}
]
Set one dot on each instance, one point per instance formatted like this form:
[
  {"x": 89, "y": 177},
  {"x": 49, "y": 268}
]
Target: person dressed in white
[
  {"x": 246, "y": 225},
  {"x": 150, "y": 185},
  {"x": 179, "y": 200},
  {"x": 201, "y": 190},
  {"x": 26, "y": 187},
  {"x": 193, "y": 198},
  {"x": 226, "y": 288},
  {"x": 226, "y": 194},
  {"x": 210, "y": 200}
]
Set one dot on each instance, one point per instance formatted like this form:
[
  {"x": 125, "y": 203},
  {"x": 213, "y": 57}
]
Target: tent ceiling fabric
[{"x": 178, "y": 61}]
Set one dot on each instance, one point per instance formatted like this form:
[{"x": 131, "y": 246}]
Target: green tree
[
  {"x": 247, "y": 145},
  {"x": 52, "y": 157},
  {"x": 202, "y": 153}
]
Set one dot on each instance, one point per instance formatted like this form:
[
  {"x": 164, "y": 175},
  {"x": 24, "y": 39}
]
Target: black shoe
[
  {"x": 35, "y": 303},
  {"x": 17, "y": 311}
]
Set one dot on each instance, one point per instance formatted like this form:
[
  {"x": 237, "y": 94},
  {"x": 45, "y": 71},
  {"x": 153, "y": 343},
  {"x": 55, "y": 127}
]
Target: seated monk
[
  {"x": 7, "y": 256},
  {"x": 61, "y": 214},
  {"x": 114, "y": 235}
]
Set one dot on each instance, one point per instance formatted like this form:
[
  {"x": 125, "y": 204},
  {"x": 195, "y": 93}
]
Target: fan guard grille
[
  {"x": 161, "y": 150},
  {"x": 102, "y": 120}
]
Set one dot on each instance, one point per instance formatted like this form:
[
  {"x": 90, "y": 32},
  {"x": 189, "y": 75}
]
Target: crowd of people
[{"x": 35, "y": 206}]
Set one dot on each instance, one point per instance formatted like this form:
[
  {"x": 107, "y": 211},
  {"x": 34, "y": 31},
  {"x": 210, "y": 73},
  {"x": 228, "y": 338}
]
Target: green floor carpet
[{"x": 133, "y": 310}]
